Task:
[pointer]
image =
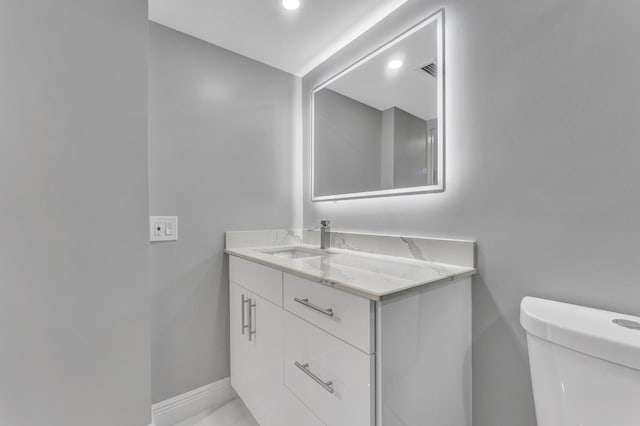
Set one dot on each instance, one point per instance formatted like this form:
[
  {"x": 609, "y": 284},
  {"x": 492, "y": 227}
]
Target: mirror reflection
[{"x": 377, "y": 126}]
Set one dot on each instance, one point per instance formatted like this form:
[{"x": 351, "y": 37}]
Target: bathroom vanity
[
  {"x": 374, "y": 335},
  {"x": 373, "y": 330}
]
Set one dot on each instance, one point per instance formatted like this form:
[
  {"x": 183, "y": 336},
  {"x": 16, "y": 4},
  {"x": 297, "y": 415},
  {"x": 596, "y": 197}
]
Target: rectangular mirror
[{"x": 378, "y": 126}]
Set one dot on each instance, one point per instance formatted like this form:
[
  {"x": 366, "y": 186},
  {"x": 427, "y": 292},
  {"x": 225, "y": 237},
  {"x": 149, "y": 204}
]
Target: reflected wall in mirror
[{"x": 377, "y": 126}]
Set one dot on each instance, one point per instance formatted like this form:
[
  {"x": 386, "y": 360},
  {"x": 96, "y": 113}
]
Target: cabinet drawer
[
  {"x": 262, "y": 280},
  {"x": 332, "y": 378},
  {"x": 346, "y": 316}
]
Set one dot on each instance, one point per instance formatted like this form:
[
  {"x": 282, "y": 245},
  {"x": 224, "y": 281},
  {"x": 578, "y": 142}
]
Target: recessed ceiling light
[
  {"x": 395, "y": 64},
  {"x": 291, "y": 4}
]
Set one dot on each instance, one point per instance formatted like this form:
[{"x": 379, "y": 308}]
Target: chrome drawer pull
[
  {"x": 328, "y": 386},
  {"x": 328, "y": 312},
  {"x": 243, "y": 301}
]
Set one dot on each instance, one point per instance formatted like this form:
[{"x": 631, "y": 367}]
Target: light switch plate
[{"x": 163, "y": 228}]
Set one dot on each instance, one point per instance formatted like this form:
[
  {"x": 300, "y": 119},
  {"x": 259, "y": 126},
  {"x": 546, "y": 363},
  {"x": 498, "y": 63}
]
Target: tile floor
[{"x": 234, "y": 413}]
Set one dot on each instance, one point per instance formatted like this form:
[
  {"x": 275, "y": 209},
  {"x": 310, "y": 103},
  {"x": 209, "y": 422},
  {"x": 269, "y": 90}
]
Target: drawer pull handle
[
  {"x": 328, "y": 386},
  {"x": 328, "y": 312}
]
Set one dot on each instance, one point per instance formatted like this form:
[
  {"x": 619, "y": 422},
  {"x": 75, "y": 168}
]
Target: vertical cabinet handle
[
  {"x": 251, "y": 330},
  {"x": 243, "y": 301}
]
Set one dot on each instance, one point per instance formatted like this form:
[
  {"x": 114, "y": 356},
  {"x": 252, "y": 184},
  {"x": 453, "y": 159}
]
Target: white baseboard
[{"x": 192, "y": 403}]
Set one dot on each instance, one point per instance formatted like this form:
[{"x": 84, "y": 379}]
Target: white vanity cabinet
[
  {"x": 256, "y": 341},
  {"x": 331, "y": 377},
  {"x": 256, "y": 346},
  {"x": 329, "y": 360},
  {"x": 306, "y": 354}
]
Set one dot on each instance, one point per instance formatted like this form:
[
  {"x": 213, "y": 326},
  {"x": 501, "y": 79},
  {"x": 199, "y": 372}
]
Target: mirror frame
[{"x": 438, "y": 18}]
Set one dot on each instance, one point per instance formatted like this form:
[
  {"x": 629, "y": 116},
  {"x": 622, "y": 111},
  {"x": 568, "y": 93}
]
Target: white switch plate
[{"x": 163, "y": 228}]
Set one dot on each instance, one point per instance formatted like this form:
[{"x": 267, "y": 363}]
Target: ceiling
[
  {"x": 293, "y": 41},
  {"x": 408, "y": 87}
]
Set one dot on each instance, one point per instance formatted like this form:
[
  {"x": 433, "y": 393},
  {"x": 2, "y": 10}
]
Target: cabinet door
[
  {"x": 264, "y": 398},
  {"x": 239, "y": 343},
  {"x": 256, "y": 366}
]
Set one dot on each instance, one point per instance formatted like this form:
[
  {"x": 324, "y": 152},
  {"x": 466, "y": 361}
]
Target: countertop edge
[{"x": 347, "y": 288}]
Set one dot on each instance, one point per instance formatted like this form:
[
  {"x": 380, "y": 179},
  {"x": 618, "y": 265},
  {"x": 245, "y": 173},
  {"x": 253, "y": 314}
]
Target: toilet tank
[{"x": 585, "y": 368}]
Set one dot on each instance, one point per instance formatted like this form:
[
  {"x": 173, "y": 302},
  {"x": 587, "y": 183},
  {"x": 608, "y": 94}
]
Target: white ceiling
[
  {"x": 408, "y": 87},
  {"x": 293, "y": 41}
]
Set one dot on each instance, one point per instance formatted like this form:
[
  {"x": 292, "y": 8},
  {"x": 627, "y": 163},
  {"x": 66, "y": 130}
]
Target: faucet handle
[{"x": 325, "y": 222}]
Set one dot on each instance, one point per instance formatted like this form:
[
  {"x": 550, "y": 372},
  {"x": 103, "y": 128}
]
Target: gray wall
[
  {"x": 74, "y": 291},
  {"x": 221, "y": 157},
  {"x": 409, "y": 149},
  {"x": 347, "y": 144},
  {"x": 387, "y": 136},
  {"x": 542, "y": 169}
]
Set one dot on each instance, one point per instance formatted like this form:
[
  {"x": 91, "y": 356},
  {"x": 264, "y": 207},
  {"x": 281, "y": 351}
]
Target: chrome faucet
[{"x": 325, "y": 234}]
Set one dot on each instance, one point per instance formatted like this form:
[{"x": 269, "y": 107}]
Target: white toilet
[{"x": 585, "y": 364}]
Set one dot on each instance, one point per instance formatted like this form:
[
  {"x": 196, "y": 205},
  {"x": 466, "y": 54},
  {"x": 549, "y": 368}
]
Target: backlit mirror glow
[{"x": 377, "y": 126}]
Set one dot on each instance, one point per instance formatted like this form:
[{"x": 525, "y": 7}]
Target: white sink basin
[
  {"x": 382, "y": 265},
  {"x": 293, "y": 252}
]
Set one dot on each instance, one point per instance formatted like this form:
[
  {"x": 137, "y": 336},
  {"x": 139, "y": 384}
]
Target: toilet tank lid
[{"x": 587, "y": 330}]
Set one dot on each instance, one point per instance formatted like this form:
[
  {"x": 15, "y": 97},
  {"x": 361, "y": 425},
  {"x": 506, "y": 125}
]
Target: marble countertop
[{"x": 374, "y": 276}]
